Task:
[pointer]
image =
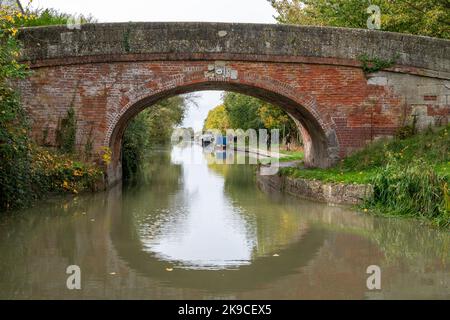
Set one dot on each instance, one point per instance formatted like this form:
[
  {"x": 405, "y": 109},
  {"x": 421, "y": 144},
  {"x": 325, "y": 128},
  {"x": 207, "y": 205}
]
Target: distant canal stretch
[{"x": 193, "y": 230}]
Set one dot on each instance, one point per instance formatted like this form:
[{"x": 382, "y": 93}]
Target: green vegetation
[
  {"x": 151, "y": 127},
  {"x": 14, "y": 151},
  {"x": 28, "y": 172},
  {"x": 371, "y": 65},
  {"x": 47, "y": 17},
  {"x": 421, "y": 17},
  {"x": 39, "y": 17},
  {"x": 414, "y": 189},
  {"x": 329, "y": 175},
  {"x": 410, "y": 176},
  {"x": 289, "y": 156}
]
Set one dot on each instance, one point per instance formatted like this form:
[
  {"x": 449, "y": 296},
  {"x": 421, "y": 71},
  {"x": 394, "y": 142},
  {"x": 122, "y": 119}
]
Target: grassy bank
[
  {"x": 288, "y": 156},
  {"x": 411, "y": 176}
]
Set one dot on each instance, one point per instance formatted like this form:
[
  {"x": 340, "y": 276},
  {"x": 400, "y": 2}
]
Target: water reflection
[
  {"x": 201, "y": 228},
  {"x": 221, "y": 236}
]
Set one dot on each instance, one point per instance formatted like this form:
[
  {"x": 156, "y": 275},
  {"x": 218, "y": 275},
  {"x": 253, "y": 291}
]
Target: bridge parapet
[{"x": 54, "y": 45}]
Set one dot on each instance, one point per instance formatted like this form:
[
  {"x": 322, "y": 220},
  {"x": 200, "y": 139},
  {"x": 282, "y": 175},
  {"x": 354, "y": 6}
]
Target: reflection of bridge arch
[
  {"x": 128, "y": 245},
  {"x": 297, "y": 255}
]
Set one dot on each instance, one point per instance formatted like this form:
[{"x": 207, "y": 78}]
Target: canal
[{"x": 194, "y": 229}]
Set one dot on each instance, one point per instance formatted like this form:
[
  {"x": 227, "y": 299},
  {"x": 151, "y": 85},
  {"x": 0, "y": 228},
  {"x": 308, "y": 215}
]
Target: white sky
[
  {"x": 196, "y": 114},
  {"x": 257, "y": 11},
  {"x": 250, "y": 11}
]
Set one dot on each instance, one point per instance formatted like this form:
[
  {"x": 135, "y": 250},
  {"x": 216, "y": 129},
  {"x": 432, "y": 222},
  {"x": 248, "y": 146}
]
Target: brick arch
[{"x": 322, "y": 147}]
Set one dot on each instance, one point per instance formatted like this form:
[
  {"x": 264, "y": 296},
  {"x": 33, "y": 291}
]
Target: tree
[
  {"x": 217, "y": 119},
  {"x": 422, "y": 17},
  {"x": 275, "y": 118},
  {"x": 163, "y": 117},
  {"x": 242, "y": 111},
  {"x": 245, "y": 112}
]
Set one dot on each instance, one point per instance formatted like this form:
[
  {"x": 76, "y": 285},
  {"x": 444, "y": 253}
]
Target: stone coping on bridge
[{"x": 147, "y": 41}]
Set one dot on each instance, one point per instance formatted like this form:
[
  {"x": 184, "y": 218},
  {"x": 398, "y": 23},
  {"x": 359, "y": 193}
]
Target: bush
[{"x": 59, "y": 173}]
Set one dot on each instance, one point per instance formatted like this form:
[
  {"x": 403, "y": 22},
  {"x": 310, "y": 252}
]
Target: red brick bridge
[{"x": 110, "y": 72}]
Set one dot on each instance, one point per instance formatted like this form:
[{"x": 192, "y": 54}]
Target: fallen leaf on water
[
  {"x": 276, "y": 255},
  {"x": 112, "y": 273},
  {"x": 169, "y": 269},
  {"x": 92, "y": 220}
]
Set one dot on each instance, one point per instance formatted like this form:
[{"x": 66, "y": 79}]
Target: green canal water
[{"x": 191, "y": 229}]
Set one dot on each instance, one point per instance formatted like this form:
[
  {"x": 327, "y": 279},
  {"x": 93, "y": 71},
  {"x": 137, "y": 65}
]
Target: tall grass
[{"x": 411, "y": 189}]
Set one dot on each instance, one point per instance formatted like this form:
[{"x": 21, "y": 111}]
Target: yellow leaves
[
  {"x": 107, "y": 155},
  {"x": 272, "y": 117},
  {"x": 68, "y": 187},
  {"x": 63, "y": 173},
  {"x": 77, "y": 173},
  {"x": 217, "y": 119},
  {"x": 11, "y": 20}
]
